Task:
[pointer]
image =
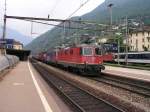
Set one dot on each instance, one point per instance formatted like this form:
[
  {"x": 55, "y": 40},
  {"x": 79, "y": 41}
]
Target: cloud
[{"x": 41, "y": 8}]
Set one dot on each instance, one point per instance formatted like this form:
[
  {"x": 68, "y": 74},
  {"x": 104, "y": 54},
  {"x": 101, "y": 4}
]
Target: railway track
[
  {"x": 134, "y": 86},
  {"x": 77, "y": 98}
]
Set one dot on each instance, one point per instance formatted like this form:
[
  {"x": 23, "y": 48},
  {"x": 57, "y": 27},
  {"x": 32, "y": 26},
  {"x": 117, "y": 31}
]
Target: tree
[{"x": 145, "y": 48}]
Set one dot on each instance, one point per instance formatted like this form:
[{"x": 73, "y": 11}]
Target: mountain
[
  {"x": 13, "y": 34},
  {"x": 120, "y": 9}
]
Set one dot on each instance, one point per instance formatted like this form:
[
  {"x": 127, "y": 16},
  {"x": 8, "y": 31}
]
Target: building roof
[
  {"x": 144, "y": 29},
  {"x": 17, "y": 43},
  {"x": 11, "y": 41}
]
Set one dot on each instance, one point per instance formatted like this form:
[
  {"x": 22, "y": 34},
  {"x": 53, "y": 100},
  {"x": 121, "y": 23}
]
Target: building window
[
  {"x": 143, "y": 33},
  {"x": 9, "y": 46},
  {"x": 136, "y": 34},
  {"x": 136, "y": 44},
  {"x": 148, "y": 46},
  {"x": 148, "y": 39},
  {"x": 143, "y": 46},
  {"x": 143, "y": 40}
]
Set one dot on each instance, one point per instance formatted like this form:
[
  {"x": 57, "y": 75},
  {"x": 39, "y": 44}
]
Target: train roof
[
  {"x": 76, "y": 46},
  {"x": 144, "y": 52},
  {"x": 87, "y": 45}
]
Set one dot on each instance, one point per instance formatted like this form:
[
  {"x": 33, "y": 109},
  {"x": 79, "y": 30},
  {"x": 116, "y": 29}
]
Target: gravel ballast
[{"x": 123, "y": 99}]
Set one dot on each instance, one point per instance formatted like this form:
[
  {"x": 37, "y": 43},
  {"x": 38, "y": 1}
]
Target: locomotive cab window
[
  {"x": 80, "y": 51},
  {"x": 87, "y": 51},
  {"x": 98, "y": 51}
]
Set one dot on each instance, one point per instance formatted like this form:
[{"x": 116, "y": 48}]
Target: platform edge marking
[{"x": 39, "y": 91}]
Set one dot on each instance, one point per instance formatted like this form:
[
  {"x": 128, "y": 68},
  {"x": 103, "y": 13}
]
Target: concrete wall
[{"x": 7, "y": 61}]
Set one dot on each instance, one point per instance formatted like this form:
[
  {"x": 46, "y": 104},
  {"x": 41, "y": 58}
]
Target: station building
[
  {"x": 13, "y": 47},
  {"x": 17, "y": 45},
  {"x": 13, "y": 44}
]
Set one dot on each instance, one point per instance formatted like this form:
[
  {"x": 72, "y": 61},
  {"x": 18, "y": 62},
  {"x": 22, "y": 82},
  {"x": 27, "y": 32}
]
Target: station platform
[
  {"x": 128, "y": 72},
  {"x": 23, "y": 90}
]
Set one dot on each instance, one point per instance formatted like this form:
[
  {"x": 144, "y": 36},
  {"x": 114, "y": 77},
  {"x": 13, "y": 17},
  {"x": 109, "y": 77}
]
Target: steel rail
[
  {"x": 82, "y": 100},
  {"x": 126, "y": 84}
]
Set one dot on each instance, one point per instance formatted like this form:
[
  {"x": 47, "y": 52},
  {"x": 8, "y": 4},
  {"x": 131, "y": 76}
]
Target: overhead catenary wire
[
  {"x": 56, "y": 20},
  {"x": 33, "y": 19},
  {"x": 45, "y": 23}
]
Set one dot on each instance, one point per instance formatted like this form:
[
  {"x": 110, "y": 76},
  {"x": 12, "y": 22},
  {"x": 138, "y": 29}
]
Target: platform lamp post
[
  {"x": 110, "y": 12},
  {"x": 118, "y": 34},
  {"x": 126, "y": 56}
]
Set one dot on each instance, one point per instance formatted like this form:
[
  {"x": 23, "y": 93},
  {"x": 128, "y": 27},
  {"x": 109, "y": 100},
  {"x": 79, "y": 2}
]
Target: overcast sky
[{"x": 59, "y": 9}]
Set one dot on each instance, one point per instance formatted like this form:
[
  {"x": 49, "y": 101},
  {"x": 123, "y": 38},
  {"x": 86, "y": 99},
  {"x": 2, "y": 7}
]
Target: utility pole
[
  {"x": 31, "y": 28},
  {"x": 126, "y": 56},
  {"x": 118, "y": 51},
  {"x": 78, "y": 32},
  {"x": 4, "y": 31},
  {"x": 63, "y": 33}
]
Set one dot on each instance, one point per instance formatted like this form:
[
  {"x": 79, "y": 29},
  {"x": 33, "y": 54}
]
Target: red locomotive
[{"x": 83, "y": 58}]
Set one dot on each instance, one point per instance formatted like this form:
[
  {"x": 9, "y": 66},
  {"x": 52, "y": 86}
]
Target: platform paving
[
  {"x": 23, "y": 90},
  {"x": 128, "y": 72}
]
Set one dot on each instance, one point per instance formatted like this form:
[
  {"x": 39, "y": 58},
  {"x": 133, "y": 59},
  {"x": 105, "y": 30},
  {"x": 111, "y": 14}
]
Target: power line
[
  {"x": 78, "y": 9},
  {"x": 60, "y": 25},
  {"x": 5, "y": 11},
  {"x": 55, "y": 6}
]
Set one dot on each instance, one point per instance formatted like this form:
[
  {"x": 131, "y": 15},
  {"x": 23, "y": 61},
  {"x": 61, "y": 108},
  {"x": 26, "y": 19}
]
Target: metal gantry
[{"x": 103, "y": 27}]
